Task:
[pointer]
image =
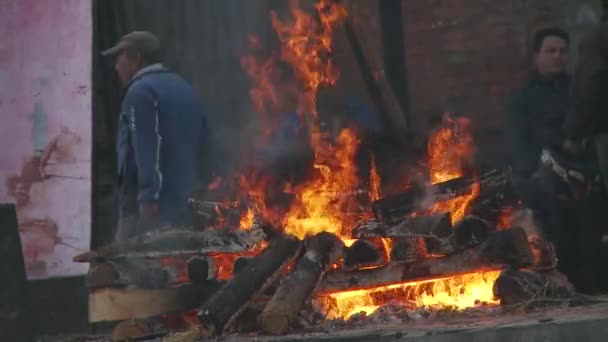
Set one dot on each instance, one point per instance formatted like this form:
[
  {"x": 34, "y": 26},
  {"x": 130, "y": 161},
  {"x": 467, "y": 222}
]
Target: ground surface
[{"x": 584, "y": 324}]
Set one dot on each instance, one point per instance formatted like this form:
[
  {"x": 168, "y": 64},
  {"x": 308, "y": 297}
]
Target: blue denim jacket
[{"x": 161, "y": 130}]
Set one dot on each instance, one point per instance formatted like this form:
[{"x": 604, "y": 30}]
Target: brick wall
[{"x": 465, "y": 56}]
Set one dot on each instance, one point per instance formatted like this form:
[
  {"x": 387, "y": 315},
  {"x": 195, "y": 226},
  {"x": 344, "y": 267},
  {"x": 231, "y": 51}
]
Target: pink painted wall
[{"x": 45, "y": 110}]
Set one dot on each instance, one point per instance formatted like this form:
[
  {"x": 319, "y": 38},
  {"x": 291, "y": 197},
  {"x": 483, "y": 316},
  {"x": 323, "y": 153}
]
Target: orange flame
[
  {"x": 306, "y": 47},
  {"x": 450, "y": 150},
  {"x": 459, "y": 292},
  {"x": 318, "y": 206},
  {"x": 374, "y": 181},
  {"x": 247, "y": 219}
]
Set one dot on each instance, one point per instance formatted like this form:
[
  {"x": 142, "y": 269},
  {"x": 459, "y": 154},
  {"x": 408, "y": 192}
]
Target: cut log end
[
  {"x": 364, "y": 253},
  {"x": 470, "y": 232}
]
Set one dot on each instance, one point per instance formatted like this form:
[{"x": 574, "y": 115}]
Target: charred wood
[
  {"x": 200, "y": 269},
  {"x": 470, "y": 232},
  {"x": 228, "y": 303},
  {"x": 508, "y": 247},
  {"x": 419, "y": 198},
  {"x": 323, "y": 250},
  {"x": 501, "y": 249},
  {"x": 523, "y": 286},
  {"x": 408, "y": 249},
  {"x": 364, "y": 253},
  {"x": 434, "y": 225},
  {"x": 240, "y": 264}
]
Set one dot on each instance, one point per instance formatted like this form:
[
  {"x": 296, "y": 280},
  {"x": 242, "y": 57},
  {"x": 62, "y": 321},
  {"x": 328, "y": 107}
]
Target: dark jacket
[
  {"x": 589, "y": 93},
  {"x": 535, "y": 116},
  {"x": 161, "y": 129}
]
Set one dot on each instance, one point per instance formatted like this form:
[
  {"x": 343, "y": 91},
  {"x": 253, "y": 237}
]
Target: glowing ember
[
  {"x": 504, "y": 221},
  {"x": 450, "y": 150},
  {"x": 459, "y": 292},
  {"x": 224, "y": 265}
]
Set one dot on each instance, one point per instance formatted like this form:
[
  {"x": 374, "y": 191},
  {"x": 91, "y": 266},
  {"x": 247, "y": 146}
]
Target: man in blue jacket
[{"x": 160, "y": 132}]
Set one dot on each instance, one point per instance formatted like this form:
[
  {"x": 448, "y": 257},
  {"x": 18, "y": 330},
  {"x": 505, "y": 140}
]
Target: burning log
[
  {"x": 229, "y": 302},
  {"x": 492, "y": 186},
  {"x": 468, "y": 233},
  {"x": 240, "y": 264},
  {"x": 521, "y": 286},
  {"x": 508, "y": 247},
  {"x": 435, "y": 225},
  {"x": 364, "y": 253},
  {"x": 323, "y": 250}
]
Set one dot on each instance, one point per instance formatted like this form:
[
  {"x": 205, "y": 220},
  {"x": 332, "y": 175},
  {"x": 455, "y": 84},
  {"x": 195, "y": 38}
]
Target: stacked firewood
[
  {"x": 404, "y": 242},
  {"x": 396, "y": 247}
]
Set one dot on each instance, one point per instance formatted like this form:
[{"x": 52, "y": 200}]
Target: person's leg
[{"x": 126, "y": 228}]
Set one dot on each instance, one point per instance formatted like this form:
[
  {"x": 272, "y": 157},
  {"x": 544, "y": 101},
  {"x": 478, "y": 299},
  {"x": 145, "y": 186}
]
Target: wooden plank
[{"x": 115, "y": 304}]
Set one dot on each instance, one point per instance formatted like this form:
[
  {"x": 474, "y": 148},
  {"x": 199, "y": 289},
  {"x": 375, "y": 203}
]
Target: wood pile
[{"x": 403, "y": 243}]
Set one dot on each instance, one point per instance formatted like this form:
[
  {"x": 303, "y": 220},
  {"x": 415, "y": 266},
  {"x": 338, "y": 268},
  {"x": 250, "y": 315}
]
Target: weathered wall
[{"x": 45, "y": 108}]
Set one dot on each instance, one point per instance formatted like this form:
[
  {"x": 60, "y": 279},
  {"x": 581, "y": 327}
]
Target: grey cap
[{"x": 142, "y": 41}]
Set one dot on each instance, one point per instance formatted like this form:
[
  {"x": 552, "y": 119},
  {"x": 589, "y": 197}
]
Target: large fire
[
  {"x": 450, "y": 149},
  {"x": 323, "y": 204}
]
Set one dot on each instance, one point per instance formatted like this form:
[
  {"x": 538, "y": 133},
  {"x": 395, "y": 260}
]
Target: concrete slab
[{"x": 582, "y": 324}]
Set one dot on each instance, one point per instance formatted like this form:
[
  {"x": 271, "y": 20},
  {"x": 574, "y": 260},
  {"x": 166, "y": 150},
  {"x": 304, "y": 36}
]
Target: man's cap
[{"x": 142, "y": 41}]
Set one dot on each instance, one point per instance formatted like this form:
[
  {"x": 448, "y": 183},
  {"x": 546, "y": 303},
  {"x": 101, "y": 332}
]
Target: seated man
[
  {"x": 535, "y": 115},
  {"x": 161, "y": 130}
]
